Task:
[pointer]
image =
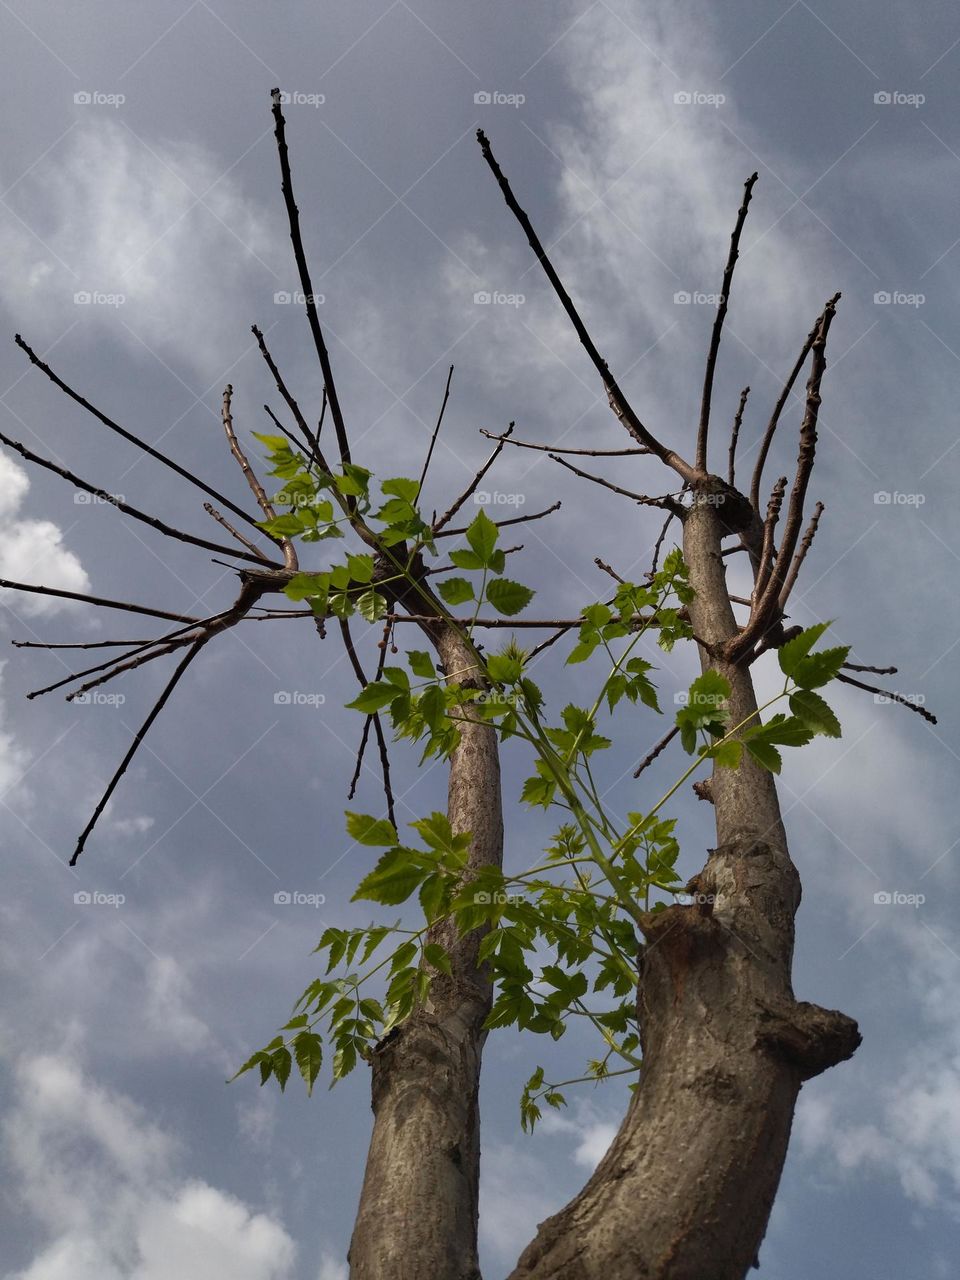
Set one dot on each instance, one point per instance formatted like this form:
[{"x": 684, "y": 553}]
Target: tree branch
[
  {"x": 553, "y": 448},
  {"x": 471, "y": 487},
  {"x": 289, "y": 553},
  {"x": 735, "y": 435},
  {"x": 436, "y": 432},
  {"x": 666, "y": 502},
  {"x": 103, "y": 603},
  {"x": 734, "y": 253},
  {"x": 502, "y": 524}
]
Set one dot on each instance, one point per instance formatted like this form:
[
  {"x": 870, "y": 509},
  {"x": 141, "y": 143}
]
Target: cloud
[
  {"x": 158, "y": 238},
  {"x": 100, "y": 1178},
  {"x": 32, "y": 550}
]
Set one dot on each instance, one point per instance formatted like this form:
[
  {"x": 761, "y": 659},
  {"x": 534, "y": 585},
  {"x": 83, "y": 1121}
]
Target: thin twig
[
  {"x": 618, "y": 401},
  {"x": 256, "y": 488},
  {"x": 140, "y": 735},
  {"x": 767, "y": 550},
  {"x": 658, "y": 545},
  {"x": 605, "y": 568},
  {"x": 894, "y": 697},
  {"x": 877, "y": 671},
  {"x": 436, "y": 432},
  {"x": 666, "y": 502},
  {"x": 110, "y": 499},
  {"x": 502, "y": 524},
  {"x": 103, "y": 603},
  {"x": 471, "y": 487},
  {"x": 296, "y": 239},
  {"x": 90, "y": 644},
  {"x": 553, "y": 448},
  {"x": 649, "y": 758},
  {"x": 378, "y": 728},
  {"x": 704, "y": 427},
  {"x": 128, "y": 435},
  {"x": 734, "y": 436},
  {"x": 211, "y": 510}
]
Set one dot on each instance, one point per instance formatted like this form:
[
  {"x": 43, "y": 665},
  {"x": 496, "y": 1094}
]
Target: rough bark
[
  {"x": 685, "y": 1191},
  {"x": 418, "y": 1207}
]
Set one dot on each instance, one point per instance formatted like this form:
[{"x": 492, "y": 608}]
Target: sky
[{"x": 142, "y": 232}]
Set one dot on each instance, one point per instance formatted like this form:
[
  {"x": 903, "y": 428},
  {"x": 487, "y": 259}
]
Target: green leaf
[
  {"x": 464, "y": 559},
  {"x": 308, "y": 1051},
  {"x": 421, "y": 664},
  {"x": 436, "y": 955},
  {"x": 482, "y": 534},
  {"x": 789, "y": 654},
  {"x": 765, "y": 755},
  {"x": 504, "y": 668},
  {"x": 373, "y": 698},
  {"x": 282, "y": 1063},
  {"x": 455, "y": 590},
  {"x": 820, "y": 668},
  {"x": 401, "y": 487},
  {"x": 508, "y": 597},
  {"x": 372, "y": 605},
  {"x": 727, "y": 754},
  {"x": 815, "y": 713},
  {"x": 360, "y": 567},
  {"x": 366, "y": 829},
  {"x": 395, "y": 877}
]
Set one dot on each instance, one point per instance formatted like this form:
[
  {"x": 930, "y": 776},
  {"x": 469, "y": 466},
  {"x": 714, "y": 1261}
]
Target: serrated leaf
[
  {"x": 421, "y": 664},
  {"x": 727, "y": 754},
  {"x": 815, "y": 713},
  {"x": 436, "y": 955},
  {"x": 366, "y": 829},
  {"x": 765, "y": 755},
  {"x": 455, "y": 590},
  {"x": 401, "y": 487},
  {"x": 373, "y": 698},
  {"x": 789, "y": 654},
  {"x": 360, "y": 568},
  {"x": 465, "y": 559},
  {"x": 372, "y": 605},
  {"x": 308, "y": 1051},
  {"x": 508, "y": 597},
  {"x": 394, "y": 878},
  {"x": 504, "y": 668},
  {"x": 820, "y": 668},
  {"x": 482, "y": 535}
]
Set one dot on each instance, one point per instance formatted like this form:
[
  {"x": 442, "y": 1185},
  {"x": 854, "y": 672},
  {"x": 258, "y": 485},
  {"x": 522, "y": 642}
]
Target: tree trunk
[
  {"x": 685, "y": 1191},
  {"x": 418, "y": 1207}
]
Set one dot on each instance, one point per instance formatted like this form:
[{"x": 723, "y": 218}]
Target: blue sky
[{"x": 139, "y": 168}]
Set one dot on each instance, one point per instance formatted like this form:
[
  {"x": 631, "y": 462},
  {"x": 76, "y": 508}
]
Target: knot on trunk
[{"x": 810, "y": 1038}]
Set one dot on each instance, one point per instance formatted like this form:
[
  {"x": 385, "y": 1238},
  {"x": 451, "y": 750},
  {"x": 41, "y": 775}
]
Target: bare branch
[
  {"x": 877, "y": 671},
  {"x": 285, "y": 392},
  {"x": 179, "y": 534},
  {"x": 378, "y": 727},
  {"x": 767, "y": 550},
  {"x": 618, "y": 401},
  {"x": 735, "y": 435},
  {"x": 296, "y": 239},
  {"x": 894, "y": 697},
  {"x": 666, "y": 502},
  {"x": 553, "y": 448},
  {"x": 801, "y": 553},
  {"x": 436, "y": 432},
  {"x": 605, "y": 568},
  {"x": 128, "y": 435},
  {"x": 260, "y": 556},
  {"x": 256, "y": 488},
  {"x": 140, "y": 735},
  {"x": 471, "y": 487},
  {"x": 734, "y": 253},
  {"x": 778, "y": 409},
  {"x": 652, "y": 755},
  {"x": 502, "y": 524},
  {"x": 103, "y": 603},
  {"x": 658, "y": 545}
]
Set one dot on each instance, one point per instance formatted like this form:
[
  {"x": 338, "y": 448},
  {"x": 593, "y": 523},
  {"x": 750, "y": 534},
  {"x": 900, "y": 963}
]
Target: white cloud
[
  {"x": 32, "y": 550},
  {"x": 101, "y": 1179},
  {"x": 125, "y": 219}
]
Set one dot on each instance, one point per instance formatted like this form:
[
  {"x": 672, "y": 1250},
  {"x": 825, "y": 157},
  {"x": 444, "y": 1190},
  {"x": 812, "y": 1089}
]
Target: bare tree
[{"x": 721, "y": 1045}]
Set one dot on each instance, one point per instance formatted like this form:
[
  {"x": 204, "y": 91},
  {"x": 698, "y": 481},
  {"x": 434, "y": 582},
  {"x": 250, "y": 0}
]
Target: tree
[{"x": 688, "y": 986}]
